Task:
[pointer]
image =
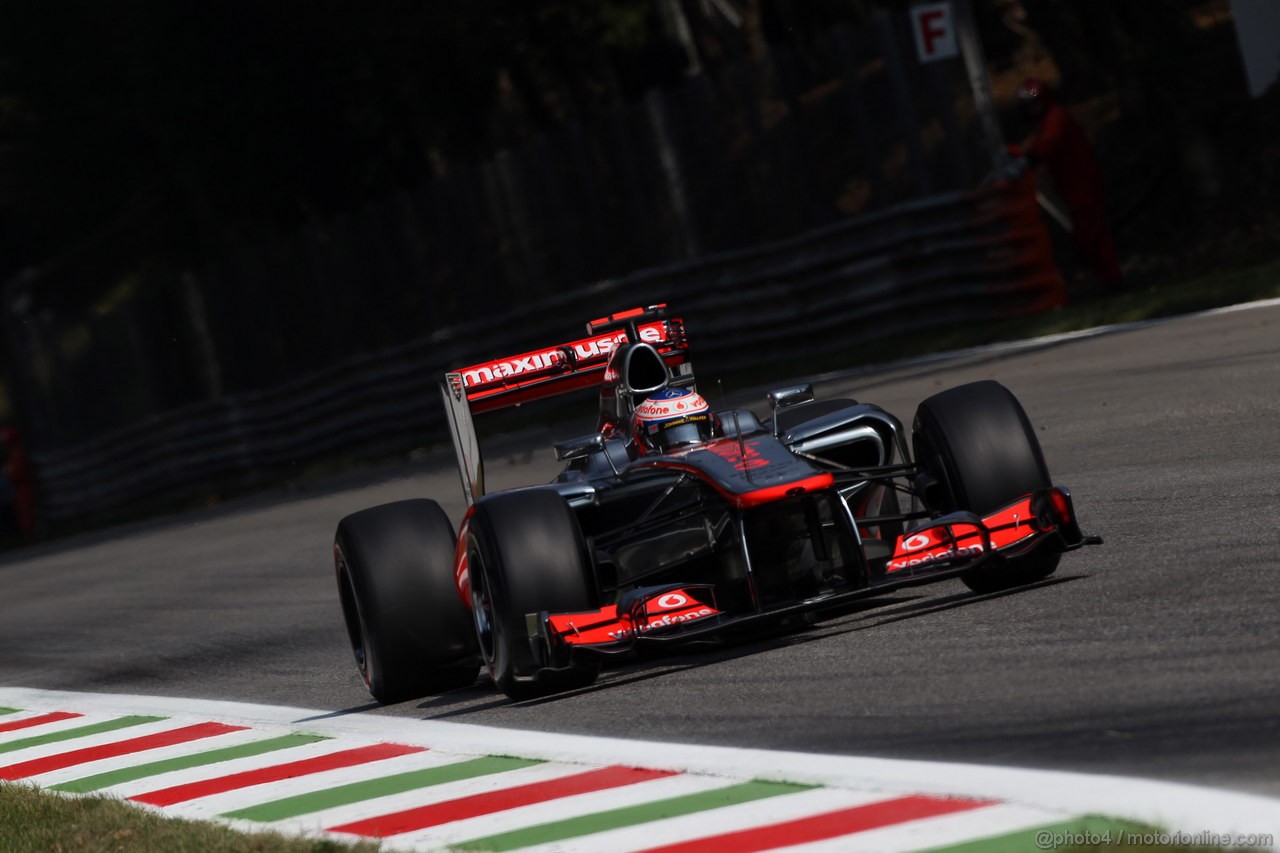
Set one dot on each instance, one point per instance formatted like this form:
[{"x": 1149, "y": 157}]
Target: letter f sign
[{"x": 934, "y": 31}]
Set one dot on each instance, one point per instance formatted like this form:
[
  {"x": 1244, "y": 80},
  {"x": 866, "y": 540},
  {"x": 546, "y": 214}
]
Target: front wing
[{"x": 945, "y": 547}]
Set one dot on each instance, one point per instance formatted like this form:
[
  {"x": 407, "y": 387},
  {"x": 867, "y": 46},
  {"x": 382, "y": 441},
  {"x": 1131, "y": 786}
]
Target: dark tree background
[
  {"x": 138, "y": 128},
  {"x": 133, "y": 132},
  {"x": 200, "y": 203}
]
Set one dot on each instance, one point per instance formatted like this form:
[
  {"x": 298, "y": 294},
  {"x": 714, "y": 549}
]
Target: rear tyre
[
  {"x": 526, "y": 554},
  {"x": 409, "y": 630},
  {"x": 976, "y": 441}
]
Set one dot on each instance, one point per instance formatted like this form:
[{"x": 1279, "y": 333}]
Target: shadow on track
[{"x": 641, "y": 667}]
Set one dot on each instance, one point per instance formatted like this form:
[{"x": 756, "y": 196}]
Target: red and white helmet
[{"x": 671, "y": 418}]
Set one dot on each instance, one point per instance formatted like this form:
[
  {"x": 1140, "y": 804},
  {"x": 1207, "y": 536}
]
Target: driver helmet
[{"x": 671, "y": 418}]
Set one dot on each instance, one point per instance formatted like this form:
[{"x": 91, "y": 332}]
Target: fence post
[{"x": 975, "y": 64}]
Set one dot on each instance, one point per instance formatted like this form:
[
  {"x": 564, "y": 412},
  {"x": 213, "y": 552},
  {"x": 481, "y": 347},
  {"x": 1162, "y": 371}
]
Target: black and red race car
[{"x": 762, "y": 523}]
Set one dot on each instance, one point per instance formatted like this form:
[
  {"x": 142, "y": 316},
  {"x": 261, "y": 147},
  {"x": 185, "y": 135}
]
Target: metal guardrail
[{"x": 954, "y": 258}]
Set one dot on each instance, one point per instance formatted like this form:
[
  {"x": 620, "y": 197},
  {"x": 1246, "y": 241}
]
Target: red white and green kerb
[{"x": 416, "y": 785}]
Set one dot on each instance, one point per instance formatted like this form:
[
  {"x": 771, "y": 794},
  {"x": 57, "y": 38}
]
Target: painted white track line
[
  {"x": 1036, "y": 343},
  {"x": 1022, "y": 798}
]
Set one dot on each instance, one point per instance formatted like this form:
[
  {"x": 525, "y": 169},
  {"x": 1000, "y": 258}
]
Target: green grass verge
[
  {"x": 32, "y": 821},
  {"x": 1092, "y": 834}
]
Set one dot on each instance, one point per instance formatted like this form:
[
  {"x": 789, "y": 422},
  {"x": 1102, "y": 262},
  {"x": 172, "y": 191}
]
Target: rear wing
[{"x": 548, "y": 372}]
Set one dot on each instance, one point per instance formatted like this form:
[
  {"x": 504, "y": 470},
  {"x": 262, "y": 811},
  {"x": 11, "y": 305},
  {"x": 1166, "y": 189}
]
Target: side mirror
[
  {"x": 576, "y": 448},
  {"x": 792, "y": 395}
]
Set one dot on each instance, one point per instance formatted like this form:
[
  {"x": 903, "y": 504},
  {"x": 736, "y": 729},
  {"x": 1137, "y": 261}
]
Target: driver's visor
[{"x": 693, "y": 429}]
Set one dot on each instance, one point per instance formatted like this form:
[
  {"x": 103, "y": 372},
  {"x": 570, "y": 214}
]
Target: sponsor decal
[
  {"x": 607, "y": 625},
  {"x": 1007, "y": 527},
  {"x": 942, "y": 543},
  {"x": 666, "y": 621},
  {"x": 671, "y": 402},
  {"x": 593, "y": 348},
  {"x": 733, "y": 453},
  {"x": 455, "y": 386},
  {"x": 916, "y": 542},
  {"x": 654, "y": 428},
  {"x": 945, "y": 553},
  {"x": 560, "y": 358},
  {"x": 672, "y": 600},
  {"x": 483, "y": 374}
]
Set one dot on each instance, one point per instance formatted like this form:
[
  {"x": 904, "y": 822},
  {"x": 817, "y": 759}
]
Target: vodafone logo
[
  {"x": 915, "y": 543},
  {"x": 657, "y": 409},
  {"x": 672, "y": 600},
  {"x": 671, "y": 402},
  {"x": 666, "y": 621},
  {"x": 909, "y": 562},
  {"x": 653, "y": 410}
]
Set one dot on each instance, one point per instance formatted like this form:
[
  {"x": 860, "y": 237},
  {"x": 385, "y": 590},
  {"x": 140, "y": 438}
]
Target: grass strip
[
  {"x": 184, "y": 762},
  {"x": 561, "y": 830},
  {"x": 82, "y": 731},
  {"x": 356, "y": 792},
  {"x": 1086, "y": 834},
  {"x": 32, "y": 821},
  {"x": 4, "y": 711}
]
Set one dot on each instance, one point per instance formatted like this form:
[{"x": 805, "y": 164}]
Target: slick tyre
[
  {"x": 409, "y": 630},
  {"x": 976, "y": 441},
  {"x": 526, "y": 554}
]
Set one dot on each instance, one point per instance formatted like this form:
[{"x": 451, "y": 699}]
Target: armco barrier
[{"x": 955, "y": 258}]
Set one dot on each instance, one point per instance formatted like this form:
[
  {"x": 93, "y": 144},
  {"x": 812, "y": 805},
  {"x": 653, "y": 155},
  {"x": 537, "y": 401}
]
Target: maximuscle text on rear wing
[{"x": 547, "y": 372}]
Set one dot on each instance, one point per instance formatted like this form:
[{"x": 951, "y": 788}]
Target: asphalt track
[{"x": 1155, "y": 655}]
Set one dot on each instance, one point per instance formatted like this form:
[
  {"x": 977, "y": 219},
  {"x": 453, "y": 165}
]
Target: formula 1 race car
[{"x": 671, "y": 523}]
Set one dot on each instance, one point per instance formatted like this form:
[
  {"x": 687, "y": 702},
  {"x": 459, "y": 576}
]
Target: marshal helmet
[{"x": 1034, "y": 97}]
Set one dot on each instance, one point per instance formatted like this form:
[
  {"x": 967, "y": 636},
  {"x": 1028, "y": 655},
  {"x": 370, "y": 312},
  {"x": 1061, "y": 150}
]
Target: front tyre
[
  {"x": 977, "y": 443},
  {"x": 409, "y": 630},
  {"x": 526, "y": 554}
]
